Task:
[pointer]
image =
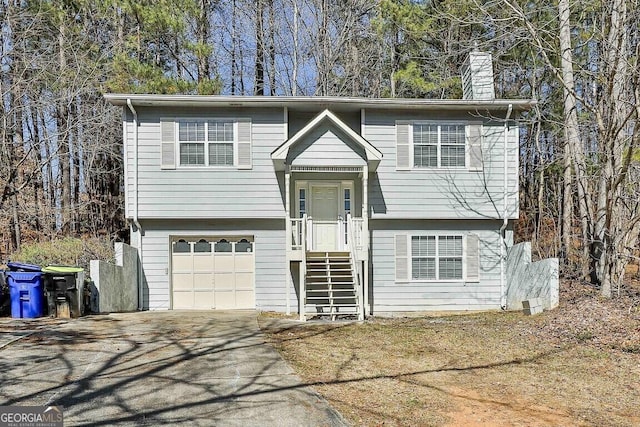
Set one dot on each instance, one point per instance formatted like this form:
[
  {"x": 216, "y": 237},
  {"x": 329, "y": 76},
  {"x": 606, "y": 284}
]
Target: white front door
[{"x": 325, "y": 206}]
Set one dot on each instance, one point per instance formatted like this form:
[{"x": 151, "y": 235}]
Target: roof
[
  {"x": 311, "y": 103},
  {"x": 279, "y": 155}
]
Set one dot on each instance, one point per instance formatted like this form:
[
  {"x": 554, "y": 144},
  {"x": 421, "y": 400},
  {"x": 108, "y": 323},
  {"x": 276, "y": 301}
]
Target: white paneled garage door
[{"x": 213, "y": 273}]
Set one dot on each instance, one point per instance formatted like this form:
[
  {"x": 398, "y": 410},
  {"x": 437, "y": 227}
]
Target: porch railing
[
  {"x": 349, "y": 233},
  {"x": 352, "y": 226},
  {"x": 298, "y": 235},
  {"x": 357, "y": 236}
]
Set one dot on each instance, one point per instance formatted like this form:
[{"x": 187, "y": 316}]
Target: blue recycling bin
[
  {"x": 19, "y": 266},
  {"x": 26, "y": 294}
]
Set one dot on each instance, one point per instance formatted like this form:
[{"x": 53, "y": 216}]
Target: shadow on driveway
[{"x": 197, "y": 368}]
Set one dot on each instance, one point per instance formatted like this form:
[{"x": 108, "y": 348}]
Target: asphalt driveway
[{"x": 186, "y": 368}]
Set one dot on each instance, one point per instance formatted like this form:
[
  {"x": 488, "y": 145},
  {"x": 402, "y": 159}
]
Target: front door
[{"x": 325, "y": 205}]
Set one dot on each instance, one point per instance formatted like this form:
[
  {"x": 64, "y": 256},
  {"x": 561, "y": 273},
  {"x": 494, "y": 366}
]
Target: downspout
[
  {"x": 136, "y": 222},
  {"x": 505, "y": 220}
]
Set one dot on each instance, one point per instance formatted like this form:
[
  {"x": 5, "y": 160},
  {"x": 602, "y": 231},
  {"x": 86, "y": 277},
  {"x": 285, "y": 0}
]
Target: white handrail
[
  {"x": 355, "y": 261},
  {"x": 303, "y": 268},
  {"x": 340, "y": 234},
  {"x": 308, "y": 221}
]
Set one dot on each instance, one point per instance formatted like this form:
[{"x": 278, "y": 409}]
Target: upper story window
[
  {"x": 206, "y": 143},
  {"x": 189, "y": 142},
  {"x": 436, "y": 145},
  {"x": 431, "y": 145}
]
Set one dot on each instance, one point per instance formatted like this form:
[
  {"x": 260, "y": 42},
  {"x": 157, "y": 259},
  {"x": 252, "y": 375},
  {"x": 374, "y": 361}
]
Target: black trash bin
[
  {"x": 5, "y": 300},
  {"x": 60, "y": 283}
]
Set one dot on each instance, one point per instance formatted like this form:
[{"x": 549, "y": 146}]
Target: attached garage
[{"x": 213, "y": 273}]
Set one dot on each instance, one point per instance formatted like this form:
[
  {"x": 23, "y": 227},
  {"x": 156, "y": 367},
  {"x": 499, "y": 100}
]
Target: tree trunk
[
  {"x": 260, "y": 49},
  {"x": 573, "y": 145},
  {"x": 609, "y": 227},
  {"x": 203, "y": 38},
  {"x": 272, "y": 49}
]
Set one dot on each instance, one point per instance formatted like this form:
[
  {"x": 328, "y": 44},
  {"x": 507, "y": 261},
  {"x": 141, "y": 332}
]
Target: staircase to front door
[{"x": 330, "y": 286}]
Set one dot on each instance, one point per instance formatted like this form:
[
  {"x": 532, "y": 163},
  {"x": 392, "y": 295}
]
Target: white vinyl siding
[
  {"x": 167, "y": 190},
  {"x": 474, "y": 131},
  {"x": 268, "y": 250},
  {"x": 395, "y": 291},
  {"x": 410, "y": 192},
  {"x": 326, "y": 145}
]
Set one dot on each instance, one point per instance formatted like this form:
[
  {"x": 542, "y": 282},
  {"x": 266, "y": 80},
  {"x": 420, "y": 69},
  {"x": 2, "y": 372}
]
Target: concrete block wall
[
  {"x": 115, "y": 286},
  {"x": 527, "y": 280}
]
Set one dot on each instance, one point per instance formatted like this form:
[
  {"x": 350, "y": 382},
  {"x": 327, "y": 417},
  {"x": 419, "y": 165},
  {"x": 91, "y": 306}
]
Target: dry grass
[{"x": 577, "y": 365}]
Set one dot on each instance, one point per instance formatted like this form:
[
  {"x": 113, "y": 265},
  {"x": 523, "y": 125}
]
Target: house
[{"x": 323, "y": 205}]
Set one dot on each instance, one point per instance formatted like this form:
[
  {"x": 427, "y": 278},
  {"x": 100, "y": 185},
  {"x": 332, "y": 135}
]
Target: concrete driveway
[{"x": 178, "y": 367}]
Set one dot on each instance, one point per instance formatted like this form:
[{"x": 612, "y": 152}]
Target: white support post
[
  {"x": 287, "y": 227},
  {"x": 303, "y": 290},
  {"x": 365, "y": 234},
  {"x": 303, "y": 270}
]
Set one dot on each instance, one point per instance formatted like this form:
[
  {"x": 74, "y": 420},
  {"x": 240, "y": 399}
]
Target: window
[
  {"x": 425, "y": 146},
  {"x": 206, "y": 143},
  {"x": 223, "y": 245},
  {"x": 347, "y": 201},
  {"x": 181, "y": 247},
  {"x": 302, "y": 201},
  {"x": 244, "y": 245},
  {"x": 436, "y": 257},
  {"x": 202, "y": 246},
  {"x": 438, "y": 145}
]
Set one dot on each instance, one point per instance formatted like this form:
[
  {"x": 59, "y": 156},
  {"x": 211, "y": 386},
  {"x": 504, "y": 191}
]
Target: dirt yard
[{"x": 576, "y": 365}]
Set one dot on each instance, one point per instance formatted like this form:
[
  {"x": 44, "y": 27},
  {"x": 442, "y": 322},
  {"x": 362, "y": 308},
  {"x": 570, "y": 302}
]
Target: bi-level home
[{"x": 325, "y": 206}]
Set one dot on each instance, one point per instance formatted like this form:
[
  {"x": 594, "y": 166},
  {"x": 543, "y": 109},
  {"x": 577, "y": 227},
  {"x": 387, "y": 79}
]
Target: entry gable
[{"x": 323, "y": 129}]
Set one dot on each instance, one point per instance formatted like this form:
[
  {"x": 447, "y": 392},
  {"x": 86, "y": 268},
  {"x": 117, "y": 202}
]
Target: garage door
[{"x": 213, "y": 273}]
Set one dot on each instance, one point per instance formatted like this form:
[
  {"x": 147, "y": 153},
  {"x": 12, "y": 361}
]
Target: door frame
[{"x": 307, "y": 187}]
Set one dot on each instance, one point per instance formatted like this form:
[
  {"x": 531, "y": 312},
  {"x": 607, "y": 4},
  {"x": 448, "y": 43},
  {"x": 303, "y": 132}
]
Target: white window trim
[
  {"x": 301, "y": 185},
  {"x": 346, "y": 185},
  {"x": 439, "y": 167},
  {"x": 176, "y": 125},
  {"x": 437, "y": 257}
]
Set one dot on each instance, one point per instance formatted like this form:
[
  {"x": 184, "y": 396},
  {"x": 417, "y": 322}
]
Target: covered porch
[{"x": 326, "y": 168}]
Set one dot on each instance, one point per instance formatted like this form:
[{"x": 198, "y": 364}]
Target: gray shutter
[
  {"x": 244, "y": 144},
  {"x": 403, "y": 158},
  {"x": 402, "y": 257},
  {"x": 473, "y": 258},
  {"x": 474, "y": 133},
  {"x": 168, "y": 144}
]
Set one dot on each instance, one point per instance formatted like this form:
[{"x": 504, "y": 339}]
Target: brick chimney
[{"x": 477, "y": 77}]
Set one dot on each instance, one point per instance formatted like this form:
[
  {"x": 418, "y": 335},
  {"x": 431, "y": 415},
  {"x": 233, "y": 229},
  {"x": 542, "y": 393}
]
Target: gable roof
[{"x": 279, "y": 155}]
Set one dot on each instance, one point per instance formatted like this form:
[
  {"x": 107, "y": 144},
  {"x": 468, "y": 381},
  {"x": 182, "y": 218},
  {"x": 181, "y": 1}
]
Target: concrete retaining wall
[
  {"x": 527, "y": 280},
  {"x": 115, "y": 286}
]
